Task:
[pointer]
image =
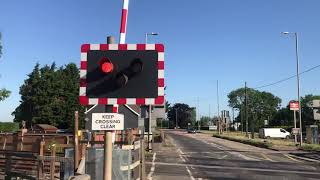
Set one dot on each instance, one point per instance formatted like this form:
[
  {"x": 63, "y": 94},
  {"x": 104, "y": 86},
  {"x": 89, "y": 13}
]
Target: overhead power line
[{"x": 288, "y": 78}]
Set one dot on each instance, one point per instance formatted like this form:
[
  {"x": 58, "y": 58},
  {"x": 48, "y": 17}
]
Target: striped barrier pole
[{"x": 124, "y": 18}]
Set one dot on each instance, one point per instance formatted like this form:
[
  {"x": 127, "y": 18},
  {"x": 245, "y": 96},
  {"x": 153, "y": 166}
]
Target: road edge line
[
  {"x": 152, "y": 166},
  {"x": 305, "y": 159}
]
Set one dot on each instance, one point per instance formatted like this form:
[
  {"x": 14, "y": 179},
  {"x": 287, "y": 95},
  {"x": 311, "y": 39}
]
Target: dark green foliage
[
  {"x": 284, "y": 117},
  {"x": 184, "y": 114},
  {"x": 8, "y": 126},
  {"x": 261, "y": 105},
  {"x": 168, "y": 106},
  {"x": 50, "y": 96},
  {"x": 3, "y": 92},
  {"x": 162, "y": 123},
  {"x": 307, "y": 110},
  {"x": 204, "y": 120}
]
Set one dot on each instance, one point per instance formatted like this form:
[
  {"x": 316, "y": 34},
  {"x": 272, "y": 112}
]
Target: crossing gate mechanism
[{"x": 122, "y": 74}]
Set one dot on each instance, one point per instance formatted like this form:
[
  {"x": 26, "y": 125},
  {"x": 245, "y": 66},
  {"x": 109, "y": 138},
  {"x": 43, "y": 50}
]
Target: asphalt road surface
[{"x": 199, "y": 156}]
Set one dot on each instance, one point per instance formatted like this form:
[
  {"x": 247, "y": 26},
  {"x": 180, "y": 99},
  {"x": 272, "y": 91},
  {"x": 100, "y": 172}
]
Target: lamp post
[
  {"x": 150, "y": 34},
  {"x": 298, "y": 79},
  {"x": 150, "y": 107}
]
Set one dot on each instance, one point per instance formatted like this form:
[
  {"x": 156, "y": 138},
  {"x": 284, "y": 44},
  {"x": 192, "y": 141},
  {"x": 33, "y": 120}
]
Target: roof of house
[{"x": 46, "y": 127}]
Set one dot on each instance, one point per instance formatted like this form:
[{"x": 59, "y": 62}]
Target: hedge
[{"x": 9, "y": 126}]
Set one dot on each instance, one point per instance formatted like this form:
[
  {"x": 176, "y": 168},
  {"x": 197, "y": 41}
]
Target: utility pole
[
  {"x": 298, "y": 84},
  {"x": 246, "y": 107},
  {"x": 209, "y": 111},
  {"x": 295, "y": 126},
  {"x": 254, "y": 119},
  {"x": 219, "y": 123},
  {"x": 233, "y": 117},
  {"x": 241, "y": 116},
  {"x": 198, "y": 114},
  {"x": 176, "y": 118},
  {"x": 298, "y": 79}
]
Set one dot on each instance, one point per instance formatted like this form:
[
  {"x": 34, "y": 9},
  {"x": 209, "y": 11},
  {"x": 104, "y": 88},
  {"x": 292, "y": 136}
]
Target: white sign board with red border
[{"x": 294, "y": 106}]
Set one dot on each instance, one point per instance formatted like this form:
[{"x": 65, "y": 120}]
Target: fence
[
  {"x": 34, "y": 156},
  {"x": 26, "y": 165},
  {"x": 48, "y": 156},
  {"x": 125, "y": 163},
  {"x": 30, "y": 142}
]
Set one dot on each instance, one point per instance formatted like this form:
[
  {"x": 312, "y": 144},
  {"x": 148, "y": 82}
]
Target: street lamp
[
  {"x": 150, "y": 107},
  {"x": 298, "y": 79},
  {"x": 150, "y": 34}
]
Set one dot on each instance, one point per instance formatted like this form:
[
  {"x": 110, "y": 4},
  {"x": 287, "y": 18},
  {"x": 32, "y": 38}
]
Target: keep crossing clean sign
[{"x": 107, "y": 121}]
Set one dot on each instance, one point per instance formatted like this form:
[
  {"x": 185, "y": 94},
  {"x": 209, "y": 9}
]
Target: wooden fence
[{"x": 41, "y": 156}]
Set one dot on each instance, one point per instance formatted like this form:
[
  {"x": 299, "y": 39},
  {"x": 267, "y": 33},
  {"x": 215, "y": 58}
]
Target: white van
[{"x": 274, "y": 133}]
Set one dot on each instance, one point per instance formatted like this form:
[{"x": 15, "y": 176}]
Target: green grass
[
  {"x": 265, "y": 143},
  {"x": 311, "y": 147},
  {"x": 244, "y": 140},
  {"x": 207, "y": 131}
]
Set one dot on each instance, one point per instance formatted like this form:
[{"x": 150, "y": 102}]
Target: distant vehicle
[
  {"x": 213, "y": 128},
  {"x": 274, "y": 133},
  {"x": 192, "y": 130}
]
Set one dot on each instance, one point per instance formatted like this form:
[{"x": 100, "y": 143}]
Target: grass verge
[
  {"x": 311, "y": 147},
  {"x": 257, "y": 143}
]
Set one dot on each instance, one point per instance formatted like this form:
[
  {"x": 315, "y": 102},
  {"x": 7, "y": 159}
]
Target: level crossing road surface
[{"x": 200, "y": 156}]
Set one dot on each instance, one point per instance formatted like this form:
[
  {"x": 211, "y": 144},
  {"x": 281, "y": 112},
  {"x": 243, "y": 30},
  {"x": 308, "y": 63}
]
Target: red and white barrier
[{"x": 124, "y": 18}]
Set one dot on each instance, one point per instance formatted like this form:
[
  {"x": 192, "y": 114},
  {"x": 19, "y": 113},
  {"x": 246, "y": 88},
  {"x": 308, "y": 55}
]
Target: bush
[{"x": 9, "y": 127}]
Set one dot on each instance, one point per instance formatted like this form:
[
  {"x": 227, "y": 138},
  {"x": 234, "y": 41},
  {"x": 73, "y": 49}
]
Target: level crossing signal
[{"x": 122, "y": 74}]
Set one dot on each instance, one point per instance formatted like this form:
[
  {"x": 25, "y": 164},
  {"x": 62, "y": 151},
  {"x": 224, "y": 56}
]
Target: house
[{"x": 43, "y": 128}]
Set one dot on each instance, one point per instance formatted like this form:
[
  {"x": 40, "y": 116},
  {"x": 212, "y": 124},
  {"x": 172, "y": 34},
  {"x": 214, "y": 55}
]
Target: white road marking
[
  {"x": 242, "y": 168},
  {"x": 288, "y": 156},
  {"x": 243, "y": 156},
  {"x": 305, "y": 159},
  {"x": 152, "y": 167},
  {"x": 190, "y": 174},
  {"x": 208, "y": 152},
  {"x": 184, "y": 160},
  {"x": 266, "y": 157},
  {"x": 223, "y": 157},
  {"x": 234, "y": 153}
]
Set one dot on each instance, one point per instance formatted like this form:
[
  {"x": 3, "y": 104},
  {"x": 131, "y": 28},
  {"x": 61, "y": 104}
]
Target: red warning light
[{"x": 106, "y": 65}]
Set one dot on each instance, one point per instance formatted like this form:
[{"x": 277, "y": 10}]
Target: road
[{"x": 200, "y": 156}]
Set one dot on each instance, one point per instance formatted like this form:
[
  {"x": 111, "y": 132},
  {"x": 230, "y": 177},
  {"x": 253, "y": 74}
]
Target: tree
[
  {"x": 284, "y": 116},
  {"x": 4, "y": 93},
  {"x": 261, "y": 105},
  {"x": 50, "y": 96},
  {"x": 183, "y": 113},
  {"x": 307, "y": 110},
  {"x": 167, "y": 106},
  {"x": 204, "y": 120}
]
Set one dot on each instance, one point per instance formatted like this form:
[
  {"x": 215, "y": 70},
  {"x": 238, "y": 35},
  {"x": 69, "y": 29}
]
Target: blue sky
[{"x": 231, "y": 41}]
